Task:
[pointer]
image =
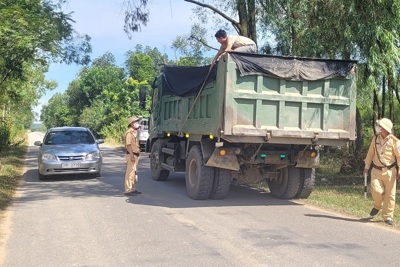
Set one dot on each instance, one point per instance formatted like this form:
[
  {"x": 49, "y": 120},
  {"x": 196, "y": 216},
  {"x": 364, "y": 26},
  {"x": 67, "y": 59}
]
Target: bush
[
  {"x": 11, "y": 134},
  {"x": 114, "y": 132},
  {"x": 4, "y": 135}
]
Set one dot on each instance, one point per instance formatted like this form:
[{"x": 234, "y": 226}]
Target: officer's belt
[
  {"x": 382, "y": 167},
  {"x": 136, "y": 154}
]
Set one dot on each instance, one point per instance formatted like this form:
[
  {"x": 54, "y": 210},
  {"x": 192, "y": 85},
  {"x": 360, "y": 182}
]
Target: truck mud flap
[{"x": 228, "y": 161}]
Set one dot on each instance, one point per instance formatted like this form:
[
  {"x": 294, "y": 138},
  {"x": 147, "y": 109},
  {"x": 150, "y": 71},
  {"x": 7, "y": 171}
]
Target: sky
[{"x": 103, "y": 21}]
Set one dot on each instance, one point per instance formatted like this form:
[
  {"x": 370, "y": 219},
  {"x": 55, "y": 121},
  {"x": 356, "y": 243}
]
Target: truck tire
[
  {"x": 307, "y": 183},
  {"x": 158, "y": 173},
  {"x": 221, "y": 184},
  {"x": 287, "y": 185},
  {"x": 199, "y": 178}
]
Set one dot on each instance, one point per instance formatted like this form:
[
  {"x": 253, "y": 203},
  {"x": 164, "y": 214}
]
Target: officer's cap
[
  {"x": 385, "y": 124},
  {"x": 133, "y": 119}
]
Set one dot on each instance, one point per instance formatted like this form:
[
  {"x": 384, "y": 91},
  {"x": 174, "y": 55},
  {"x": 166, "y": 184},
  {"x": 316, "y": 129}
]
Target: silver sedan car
[{"x": 69, "y": 150}]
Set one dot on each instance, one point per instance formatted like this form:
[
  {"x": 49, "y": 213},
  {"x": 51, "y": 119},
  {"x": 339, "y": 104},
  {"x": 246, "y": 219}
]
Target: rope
[{"x": 180, "y": 134}]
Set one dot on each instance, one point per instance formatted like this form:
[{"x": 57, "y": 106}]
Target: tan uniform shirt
[
  {"x": 383, "y": 152},
  {"x": 131, "y": 139}
]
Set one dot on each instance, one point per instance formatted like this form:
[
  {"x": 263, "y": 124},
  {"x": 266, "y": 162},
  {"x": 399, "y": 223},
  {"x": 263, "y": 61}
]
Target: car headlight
[
  {"x": 48, "y": 156},
  {"x": 144, "y": 135},
  {"x": 93, "y": 155}
]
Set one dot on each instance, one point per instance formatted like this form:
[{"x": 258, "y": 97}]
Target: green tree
[
  {"x": 56, "y": 112},
  {"x": 192, "y": 47},
  {"x": 137, "y": 14},
  {"x": 32, "y": 32},
  {"x": 103, "y": 80},
  {"x": 141, "y": 66}
]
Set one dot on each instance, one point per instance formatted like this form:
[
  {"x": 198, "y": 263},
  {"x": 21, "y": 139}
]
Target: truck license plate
[{"x": 71, "y": 165}]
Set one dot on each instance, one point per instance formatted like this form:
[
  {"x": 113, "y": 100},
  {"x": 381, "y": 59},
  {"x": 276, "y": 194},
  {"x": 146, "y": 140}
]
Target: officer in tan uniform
[
  {"x": 132, "y": 155},
  {"x": 383, "y": 155}
]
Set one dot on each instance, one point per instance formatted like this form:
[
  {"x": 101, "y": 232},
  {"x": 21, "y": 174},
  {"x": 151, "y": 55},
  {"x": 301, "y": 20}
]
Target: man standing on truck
[
  {"x": 383, "y": 154},
  {"x": 233, "y": 43},
  {"x": 132, "y": 155}
]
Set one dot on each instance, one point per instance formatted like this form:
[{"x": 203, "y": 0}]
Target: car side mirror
[{"x": 38, "y": 143}]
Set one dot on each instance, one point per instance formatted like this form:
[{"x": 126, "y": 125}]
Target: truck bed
[{"x": 275, "y": 101}]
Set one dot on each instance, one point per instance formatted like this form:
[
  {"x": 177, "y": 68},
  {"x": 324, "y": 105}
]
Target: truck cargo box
[{"x": 256, "y": 98}]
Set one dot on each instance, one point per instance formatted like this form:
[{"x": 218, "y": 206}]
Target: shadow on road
[
  {"x": 171, "y": 193},
  {"x": 362, "y": 220}
]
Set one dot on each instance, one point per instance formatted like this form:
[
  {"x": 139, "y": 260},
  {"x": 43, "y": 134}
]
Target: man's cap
[
  {"x": 133, "y": 119},
  {"x": 385, "y": 124}
]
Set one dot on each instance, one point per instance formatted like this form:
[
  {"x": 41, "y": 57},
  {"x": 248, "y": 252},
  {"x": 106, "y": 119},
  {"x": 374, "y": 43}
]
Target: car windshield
[
  {"x": 144, "y": 125},
  {"x": 69, "y": 137}
]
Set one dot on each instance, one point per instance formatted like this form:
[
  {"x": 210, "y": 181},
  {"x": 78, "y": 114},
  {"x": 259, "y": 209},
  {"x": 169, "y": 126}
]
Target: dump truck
[{"x": 250, "y": 118}]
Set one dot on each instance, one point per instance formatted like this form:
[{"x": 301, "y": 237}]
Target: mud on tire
[
  {"x": 221, "y": 184},
  {"x": 199, "y": 178}
]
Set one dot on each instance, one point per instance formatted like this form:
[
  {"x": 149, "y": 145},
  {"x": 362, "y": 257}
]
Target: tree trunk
[
  {"x": 382, "y": 108},
  {"x": 360, "y": 134},
  {"x": 247, "y": 17}
]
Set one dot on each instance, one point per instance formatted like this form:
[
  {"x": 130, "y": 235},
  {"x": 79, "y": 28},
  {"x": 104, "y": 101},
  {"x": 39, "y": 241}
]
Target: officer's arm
[
  {"x": 397, "y": 153},
  {"x": 370, "y": 155}
]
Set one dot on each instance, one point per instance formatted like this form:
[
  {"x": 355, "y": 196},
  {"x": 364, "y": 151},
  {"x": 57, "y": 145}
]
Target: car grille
[
  {"x": 67, "y": 158},
  {"x": 74, "y": 170}
]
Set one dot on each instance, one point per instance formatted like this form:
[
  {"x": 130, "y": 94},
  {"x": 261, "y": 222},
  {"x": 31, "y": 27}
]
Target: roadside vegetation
[
  {"x": 11, "y": 169},
  {"x": 344, "y": 193}
]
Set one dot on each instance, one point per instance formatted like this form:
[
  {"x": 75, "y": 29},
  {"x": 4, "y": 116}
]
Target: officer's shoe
[
  {"x": 389, "y": 222},
  {"x": 374, "y": 212},
  {"x": 136, "y": 192}
]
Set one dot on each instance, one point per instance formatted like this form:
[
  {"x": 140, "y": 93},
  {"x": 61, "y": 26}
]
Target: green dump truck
[{"x": 250, "y": 118}]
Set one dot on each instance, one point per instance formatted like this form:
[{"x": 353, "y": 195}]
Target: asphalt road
[{"x": 76, "y": 221}]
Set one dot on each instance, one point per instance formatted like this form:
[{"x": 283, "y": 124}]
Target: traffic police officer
[
  {"x": 383, "y": 154},
  {"x": 132, "y": 155}
]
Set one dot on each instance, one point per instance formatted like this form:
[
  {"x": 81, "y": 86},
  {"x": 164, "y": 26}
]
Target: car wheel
[
  {"x": 95, "y": 175},
  {"x": 41, "y": 176}
]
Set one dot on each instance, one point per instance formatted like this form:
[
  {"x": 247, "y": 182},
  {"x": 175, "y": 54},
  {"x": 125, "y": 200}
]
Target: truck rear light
[
  {"x": 222, "y": 152},
  {"x": 311, "y": 154}
]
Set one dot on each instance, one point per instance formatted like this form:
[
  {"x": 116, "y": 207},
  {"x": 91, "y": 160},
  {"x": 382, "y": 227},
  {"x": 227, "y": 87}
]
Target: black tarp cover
[
  {"x": 184, "y": 81},
  {"x": 291, "y": 68}
]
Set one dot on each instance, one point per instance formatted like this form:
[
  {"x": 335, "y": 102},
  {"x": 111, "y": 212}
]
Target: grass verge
[
  {"x": 348, "y": 200},
  {"x": 10, "y": 171}
]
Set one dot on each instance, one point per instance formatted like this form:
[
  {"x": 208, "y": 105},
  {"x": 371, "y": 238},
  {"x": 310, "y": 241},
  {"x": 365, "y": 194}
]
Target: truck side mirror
[
  {"x": 142, "y": 97},
  {"x": 154, "y": 84}
]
